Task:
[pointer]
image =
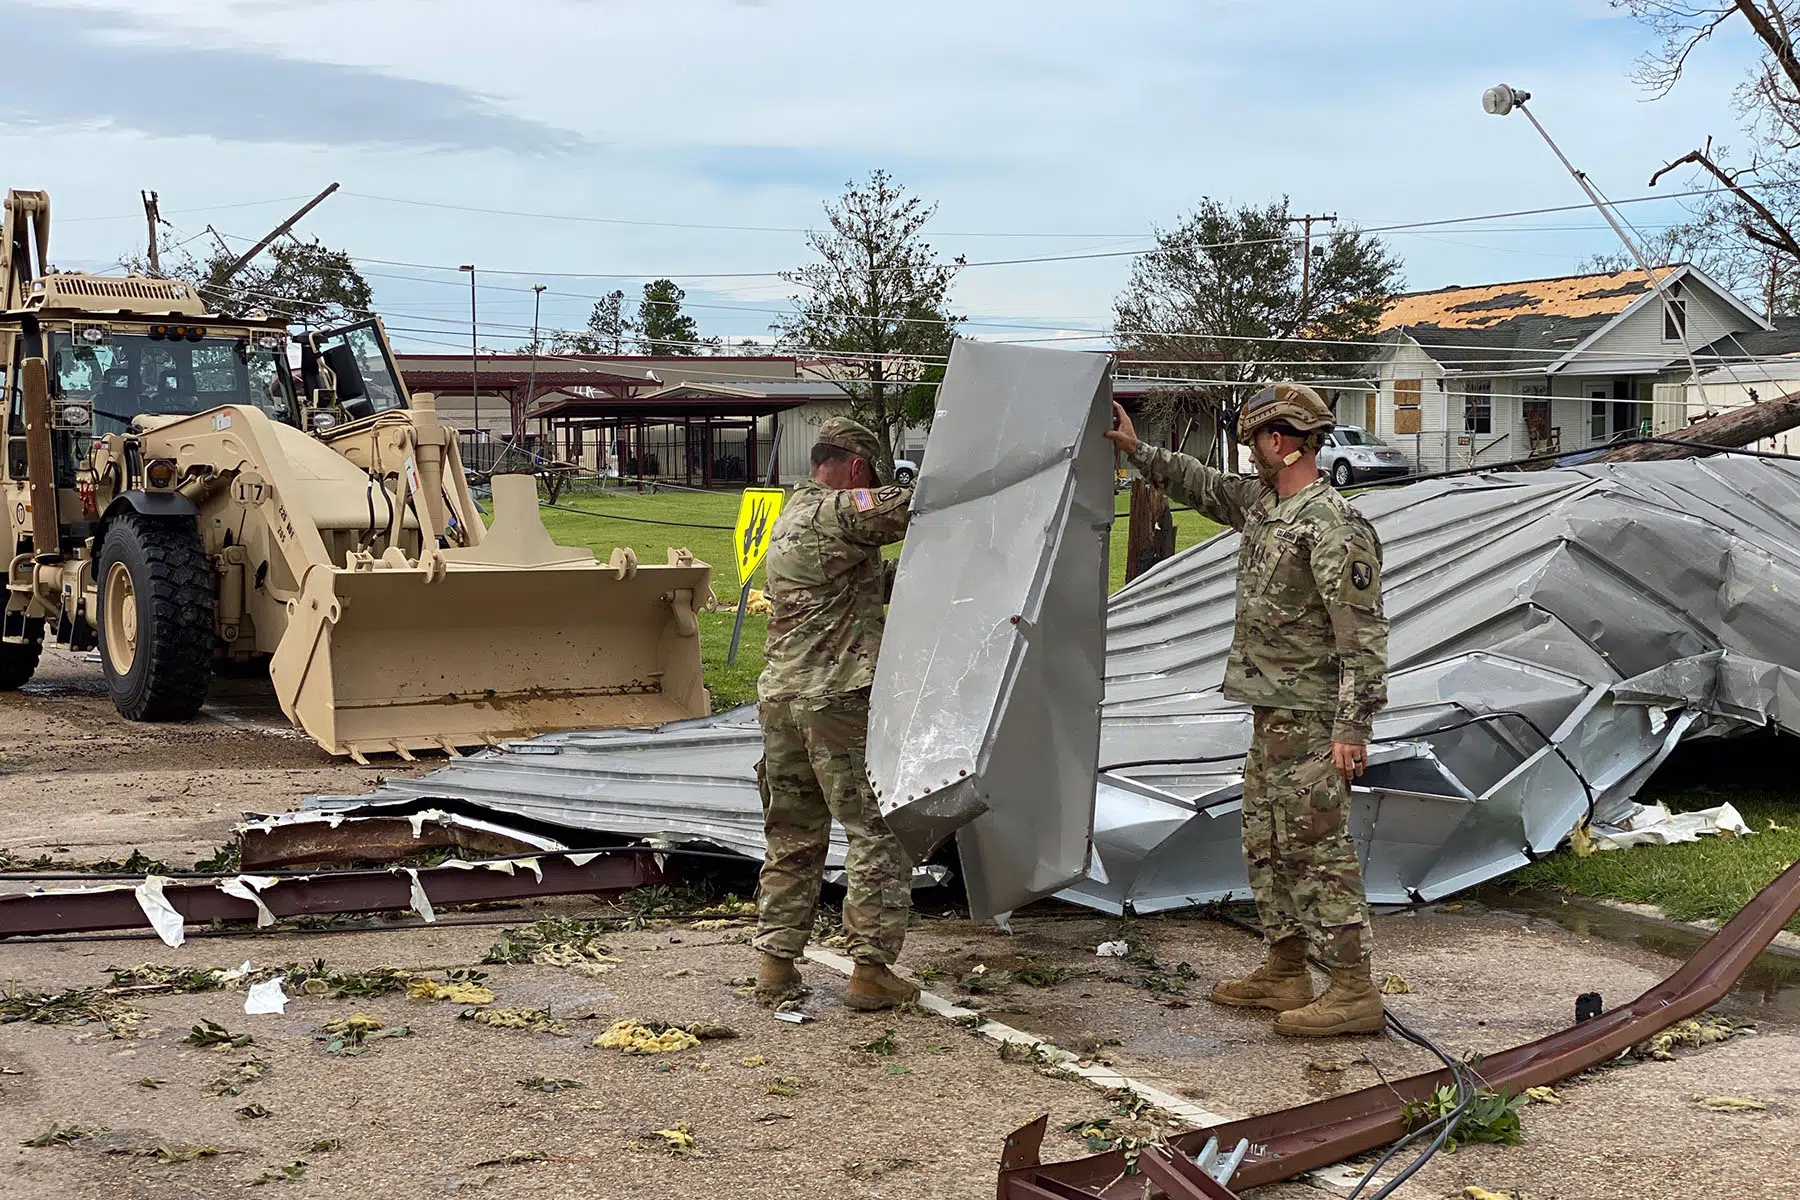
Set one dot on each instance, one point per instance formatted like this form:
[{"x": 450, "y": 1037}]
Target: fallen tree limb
[{"x": 1738, "y": 427}]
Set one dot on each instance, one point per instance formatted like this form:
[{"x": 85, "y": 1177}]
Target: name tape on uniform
[{"x": 755, "y": 522}]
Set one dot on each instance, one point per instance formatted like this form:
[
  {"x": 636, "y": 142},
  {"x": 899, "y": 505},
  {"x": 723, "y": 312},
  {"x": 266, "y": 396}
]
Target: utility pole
[
  {"x": 152, "y": 218},
  {"x": 274, "y": 233},
  {"x": 537, "y": 300},
  {"x": 1305, "y": 221},
  {"x": 474, "y": 356}
]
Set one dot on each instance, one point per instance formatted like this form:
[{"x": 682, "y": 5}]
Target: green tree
[
  {"x": 877, "y": 304},
  {"x": 607, "y": 329},
  {"x": 662, "y": 328},
  {"x": 306, "y": 281},
  {"x": 1226, "y": 303}
]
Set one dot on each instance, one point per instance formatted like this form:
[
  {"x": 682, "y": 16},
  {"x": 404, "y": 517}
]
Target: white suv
[{"x": 1353, "y": 455}]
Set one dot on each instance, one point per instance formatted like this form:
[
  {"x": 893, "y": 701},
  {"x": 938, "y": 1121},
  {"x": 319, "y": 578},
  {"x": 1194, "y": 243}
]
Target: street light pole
[
  {"x": 537, "y": 299},
  {"x": 474, "y": 356},
  {"x": 1501, "y": 100}
]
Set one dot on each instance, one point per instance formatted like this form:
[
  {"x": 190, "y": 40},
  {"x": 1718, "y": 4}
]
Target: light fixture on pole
[
  {"x": 537, "y": 299},
  {"x": 1500, "y": 100},
  {"x": 474, "y": 354}
]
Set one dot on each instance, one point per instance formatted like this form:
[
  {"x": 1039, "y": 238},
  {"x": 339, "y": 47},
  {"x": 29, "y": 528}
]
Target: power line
[{"x": 635, "y": 222}]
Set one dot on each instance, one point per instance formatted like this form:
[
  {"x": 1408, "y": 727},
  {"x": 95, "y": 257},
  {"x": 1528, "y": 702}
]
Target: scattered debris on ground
[
  {"x": 352, "y": 1035},
  {"x": 1490, "y": 1118},
  {"x": 1692, "y": 1033},
  {"x": 1730, "y": 1104},
  {"x": 628, "y": 1036},
  {"x": 211, "y": 1033},
  {"x": 538, "y": 1083},
  {"x": 460, "y": 988},
  {"x": 248, "y": 1072},
  {"x": 73, "y": 1006},
  {"x": 537, "y": 1020}
]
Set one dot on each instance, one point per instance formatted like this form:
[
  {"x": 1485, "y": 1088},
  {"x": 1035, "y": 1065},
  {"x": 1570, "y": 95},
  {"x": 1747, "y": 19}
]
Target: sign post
[{"x": 750, "y": 541}]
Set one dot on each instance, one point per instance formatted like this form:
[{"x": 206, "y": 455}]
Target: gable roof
[
  {"x": 1537, "y": 323},
  {"x": 1606, "y": 294}
]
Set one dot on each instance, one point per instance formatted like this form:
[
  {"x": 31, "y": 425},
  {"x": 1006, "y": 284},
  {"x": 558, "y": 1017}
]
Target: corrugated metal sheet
[
  {"x": 985, "y": 712},
  {"x": 1554, "y": 634},
  {"x": 1578, "y": 614}
]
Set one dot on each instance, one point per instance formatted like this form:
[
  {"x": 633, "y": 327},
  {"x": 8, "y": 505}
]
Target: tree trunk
[
  {"x": 1739, "y": 427},
  {"x": 1150, "y": 535}
]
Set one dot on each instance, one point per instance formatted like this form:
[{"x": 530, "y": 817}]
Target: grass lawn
[
  {"x": 1711, "y": 878},
  {"x": 650, "y": 524}
]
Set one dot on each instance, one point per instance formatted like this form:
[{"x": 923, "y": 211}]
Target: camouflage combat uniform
[
  {"x": 1309, "y": 655},
  {"x": 827, "y": 585}
]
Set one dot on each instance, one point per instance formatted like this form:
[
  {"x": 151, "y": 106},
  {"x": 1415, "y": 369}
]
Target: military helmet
[
  {"x": 1291, "y": 404},
  {"x": 854, "y": 436}
]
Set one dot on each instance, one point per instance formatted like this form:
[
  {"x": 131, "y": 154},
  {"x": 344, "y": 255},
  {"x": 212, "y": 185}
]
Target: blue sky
[{"x": 1040, "y": 128}]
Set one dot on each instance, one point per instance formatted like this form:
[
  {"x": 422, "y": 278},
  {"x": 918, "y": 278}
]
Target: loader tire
[
  {"x": 156, "y": 618},
  {"x": 18, "y": 663}
]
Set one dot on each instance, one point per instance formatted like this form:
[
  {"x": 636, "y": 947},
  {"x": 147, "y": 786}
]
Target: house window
[
  {"x": 1674, "y": 315},
  {"x": 1597, "y": 420},
  {"x": 1478, "y": 407}
]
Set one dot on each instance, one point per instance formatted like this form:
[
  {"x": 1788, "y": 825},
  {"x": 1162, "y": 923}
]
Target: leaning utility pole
[
  {"x": 152, "y": 218},
  {"x": 280, "y": 229},
  {"x": 1306, "y": 222}
]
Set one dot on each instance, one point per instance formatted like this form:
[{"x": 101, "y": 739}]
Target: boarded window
[
  {"x": 1406, "y": 406},
  {"x": 1478, "y": 407}
]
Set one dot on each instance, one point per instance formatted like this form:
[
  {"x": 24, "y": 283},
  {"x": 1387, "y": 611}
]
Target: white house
[
  {"x": 1466, "y": 376},
  {"x": 1768, "y": 366}
]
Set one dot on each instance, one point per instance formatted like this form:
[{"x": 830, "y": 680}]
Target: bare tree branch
[{"x": 1781, "y": 237}]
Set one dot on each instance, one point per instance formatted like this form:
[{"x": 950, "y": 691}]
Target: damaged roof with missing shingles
[{"x": 1606, "y": 294}]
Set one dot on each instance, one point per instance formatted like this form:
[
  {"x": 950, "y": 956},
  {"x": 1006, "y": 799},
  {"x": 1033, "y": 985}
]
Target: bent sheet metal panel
[
  {"x": 1531, "y": 592},
  {"x": 984, "y": 717}
]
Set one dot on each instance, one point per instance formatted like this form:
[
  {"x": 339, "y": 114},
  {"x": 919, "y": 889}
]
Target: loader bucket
[{"x": 391, "y": 660}]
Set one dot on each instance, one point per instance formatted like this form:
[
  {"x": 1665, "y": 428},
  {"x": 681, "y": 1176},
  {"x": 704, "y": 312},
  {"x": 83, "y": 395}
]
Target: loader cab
[
  {"x": 348, "y": 374},
  {"x": 103, "y": 376}
]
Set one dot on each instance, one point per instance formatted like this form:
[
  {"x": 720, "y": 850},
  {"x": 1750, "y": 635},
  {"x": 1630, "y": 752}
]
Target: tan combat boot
[
  {"x": 776, "y": 979},
  {"x": 873, "y": 987},
  {"x": 1280, "y": 983},
  {"x": 1350, "y": 1005}
]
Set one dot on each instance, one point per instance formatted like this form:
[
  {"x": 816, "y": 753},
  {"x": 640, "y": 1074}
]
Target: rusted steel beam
[
  {"x": 26, "y": 913},
  {"x": 1179, "y": 1177},
  {"x": 1292, "y": 1140},
  {"x": 367, "y": 839}
]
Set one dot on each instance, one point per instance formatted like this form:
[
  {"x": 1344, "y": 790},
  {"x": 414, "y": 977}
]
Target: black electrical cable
[
  {"x": 1586, "y": 787},
  {"x": 1464, "y": 1079}
]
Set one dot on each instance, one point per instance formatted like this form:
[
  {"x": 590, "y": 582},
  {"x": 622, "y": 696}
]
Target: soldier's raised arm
[
  {"x": 1223, "y": 497},
  {"x": 1346, "y": 565},
  {"x": 873, "y": 516}
]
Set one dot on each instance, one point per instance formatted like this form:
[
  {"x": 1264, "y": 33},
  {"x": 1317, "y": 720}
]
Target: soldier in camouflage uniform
[
  {"x": 1309, "y": 655},
  {"x": 828, "y": 585}
]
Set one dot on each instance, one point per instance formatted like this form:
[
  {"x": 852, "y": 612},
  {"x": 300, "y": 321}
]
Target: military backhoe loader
[{"x": 175, "y": 501}]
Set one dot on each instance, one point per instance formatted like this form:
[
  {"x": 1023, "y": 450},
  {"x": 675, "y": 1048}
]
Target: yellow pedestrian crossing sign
[{"x": 755, "y": 522}]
